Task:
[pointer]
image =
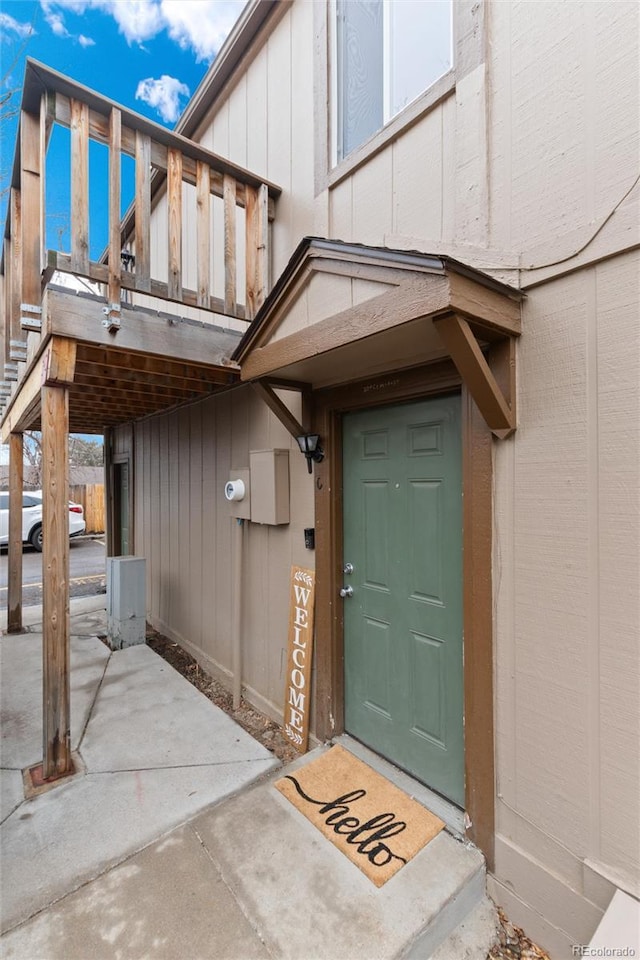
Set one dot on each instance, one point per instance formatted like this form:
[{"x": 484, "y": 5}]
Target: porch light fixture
[{"x": 309, "y": 444}]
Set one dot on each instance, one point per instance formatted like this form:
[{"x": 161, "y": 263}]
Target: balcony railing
[{"x": 229, "y": 201}]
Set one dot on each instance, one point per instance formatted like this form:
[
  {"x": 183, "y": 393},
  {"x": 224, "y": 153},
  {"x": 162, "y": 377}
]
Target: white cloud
[
  {"x": 198, "y": 25},
  {"x": 9, "y": 24},
  {"x": 56, "y": 22},
  {"x": 164, "y": 95},
  {"x": 86, "y": 41},
  {"x": 201, "y": 25}
]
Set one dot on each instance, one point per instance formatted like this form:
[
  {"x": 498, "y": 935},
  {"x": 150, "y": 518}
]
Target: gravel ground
[{"x": 512, "y": 945}]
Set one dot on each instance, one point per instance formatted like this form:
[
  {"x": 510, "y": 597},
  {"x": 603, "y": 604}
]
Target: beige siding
[
  {"x": 183, "y": 528},
  {"x": 565, "y": 121},
  {"x": 518, "y": 167},
  {"x": 265, "y": 123},
  {"x": 567, "y": 564}
]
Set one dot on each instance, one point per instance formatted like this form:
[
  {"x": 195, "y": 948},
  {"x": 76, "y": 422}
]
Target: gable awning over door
[{"x": 344, "y": 312}]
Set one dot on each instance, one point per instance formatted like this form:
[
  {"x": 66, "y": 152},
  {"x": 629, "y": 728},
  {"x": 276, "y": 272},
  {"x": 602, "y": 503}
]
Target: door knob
[
  {"x": 346, "y": 591},
  {"x": 348, "y": 568}
]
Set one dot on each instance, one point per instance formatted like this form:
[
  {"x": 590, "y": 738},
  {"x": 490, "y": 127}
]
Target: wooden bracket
[
  {"x": 275, "y": 404},
  {"x": 59, "y": 361},
  {"x": 486, "y": 389}
]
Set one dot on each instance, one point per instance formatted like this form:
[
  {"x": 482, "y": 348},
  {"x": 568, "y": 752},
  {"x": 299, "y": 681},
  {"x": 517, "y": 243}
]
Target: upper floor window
[{"x": 388, "y": 53}]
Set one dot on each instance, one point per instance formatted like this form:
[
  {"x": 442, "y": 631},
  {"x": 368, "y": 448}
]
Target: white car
[{"x": 32, "y": 519}]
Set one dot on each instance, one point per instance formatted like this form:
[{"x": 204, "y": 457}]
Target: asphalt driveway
[{"x": 87, "y": 557}]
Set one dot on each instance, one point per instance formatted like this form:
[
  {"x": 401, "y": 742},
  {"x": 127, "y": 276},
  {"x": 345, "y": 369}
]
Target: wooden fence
[{"x": 91, "y": 496}]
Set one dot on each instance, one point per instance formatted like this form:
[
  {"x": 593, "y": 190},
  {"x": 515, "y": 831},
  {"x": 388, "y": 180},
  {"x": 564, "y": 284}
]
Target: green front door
[{"x": 403, "y": 622}]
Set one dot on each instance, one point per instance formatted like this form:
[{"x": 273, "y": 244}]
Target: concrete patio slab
[
  {"x": 11, "y": 792},
  {"x": 54, "y": 843},
  {"x": 166, "y": 902},
  {"x": 167, "y": 722},
  {"x": 166, "y": 847},
  {"x": 155, "y": 752},
  {"x": 21, "y": 694},
  {"x": 278, "y": 864}
]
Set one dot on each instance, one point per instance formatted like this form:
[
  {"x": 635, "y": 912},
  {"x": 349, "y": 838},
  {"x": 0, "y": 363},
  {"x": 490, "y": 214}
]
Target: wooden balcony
[
  {"x": 165, "y": 302},
  {"x": 158, "y": 325}
]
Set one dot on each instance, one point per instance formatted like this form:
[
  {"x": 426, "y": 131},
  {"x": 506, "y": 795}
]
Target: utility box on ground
[{"x": 126, "y": 601}]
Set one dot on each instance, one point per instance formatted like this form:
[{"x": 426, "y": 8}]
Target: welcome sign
[{"x": 297, "y": 691}]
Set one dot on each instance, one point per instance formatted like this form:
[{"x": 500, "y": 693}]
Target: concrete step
[
  {"x": 473, "y": 937},
  {"x": 304, "y": 898}
]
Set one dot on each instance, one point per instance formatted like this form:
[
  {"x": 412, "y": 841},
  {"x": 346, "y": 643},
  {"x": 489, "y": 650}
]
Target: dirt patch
[
  {"x": 514, "y": 944},
  {"x": 264, "y": 730}
]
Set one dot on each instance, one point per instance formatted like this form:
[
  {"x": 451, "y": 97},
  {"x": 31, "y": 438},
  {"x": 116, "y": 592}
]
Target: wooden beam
[
  {"x": 55, "y": 577},
  {"x": 229, "y": 245},
  {"x": 133, "y": 386},
  {"x": 251, "y": 266},
  {"x": 143, "y": 212},
  {"x": 31, "y": 197},
  {"x": 257, "y": 249},
  {"x": 115, "y": 187},
  {"x": 100, "y": 273},
  {"x": 163, "y": 370},
  {"x": 276, "y": 406},
  {"x": 412, "y": 299},
  {"x": 174, "y": 223},
  {"x": 59, "y": 361},
  {"x": 14, "y": 327},
  {"x": 203, "y": 232},
  {"x": 495, "y": 310},
  {"x": 24, "y": 407},
  {"x": 142, "y": 331},
  {"x": 502, "y": 361},
  {"x": 466, "y": 354},
  {"x": 14, "y": 591},
  {"x": 55, "y": 365},
  {"x": 79, "y": 185}
]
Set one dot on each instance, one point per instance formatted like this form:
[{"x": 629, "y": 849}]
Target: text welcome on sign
[{"x": 296, "y": 706}]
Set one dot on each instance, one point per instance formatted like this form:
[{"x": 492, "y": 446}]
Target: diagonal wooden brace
[
  {"x": 497, "y": 410},
  {"x": 275, "y": 404}
]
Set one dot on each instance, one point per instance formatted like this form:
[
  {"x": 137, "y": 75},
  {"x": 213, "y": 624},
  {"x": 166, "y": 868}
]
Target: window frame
[
  {"x": 423, "y": 101},
  {"x": 468, "y": 44}
]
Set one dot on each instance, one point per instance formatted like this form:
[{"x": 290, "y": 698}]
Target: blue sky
[{"x": 148, "y": 55}]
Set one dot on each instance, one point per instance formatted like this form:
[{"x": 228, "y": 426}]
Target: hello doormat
[{"x": 376, "y": 825}]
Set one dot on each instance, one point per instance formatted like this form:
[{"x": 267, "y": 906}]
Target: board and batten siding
[
  {"x": 514, "y": 169},
  {"x": 184, "y": 530},
  {"x": 567, "y": 602}
]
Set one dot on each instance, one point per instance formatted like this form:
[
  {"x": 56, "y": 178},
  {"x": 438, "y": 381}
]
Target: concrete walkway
[
  {"x": 137, "y": 857},
  {"x": 156, "y": 752}
]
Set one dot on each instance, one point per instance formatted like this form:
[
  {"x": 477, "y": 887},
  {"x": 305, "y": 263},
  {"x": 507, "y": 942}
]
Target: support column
[
  {"x": 55, "y": 576},
  {"x": 14, "y": 593}
]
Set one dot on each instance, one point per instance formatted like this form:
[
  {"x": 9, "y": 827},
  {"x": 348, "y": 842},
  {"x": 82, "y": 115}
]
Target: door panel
[{"x": 403, "y": 625}]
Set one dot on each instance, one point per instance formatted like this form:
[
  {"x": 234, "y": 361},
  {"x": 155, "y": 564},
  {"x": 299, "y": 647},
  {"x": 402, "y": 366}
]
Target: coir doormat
[{"x": 376, "y": 825}]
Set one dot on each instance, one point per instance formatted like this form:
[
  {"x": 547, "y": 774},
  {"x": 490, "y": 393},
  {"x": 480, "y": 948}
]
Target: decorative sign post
[{"x": 297, "y": 690}]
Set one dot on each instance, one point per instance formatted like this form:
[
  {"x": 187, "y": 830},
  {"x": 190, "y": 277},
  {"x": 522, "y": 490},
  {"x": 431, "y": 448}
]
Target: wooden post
[
  {"x": 115, "y": 267},
  {"x": 55, "y": 576},
  {"x": 79, "y": 186},
  {"x": 229, "y": 191},
  {"x": 14, "y": 592},
  {"x": 28, "y": 212},
  {"x": 203, "y": 231},
  {"x": 14, "y": 327},
  {"x": 143, "y": 211},
  {"x": 257, "y": 248},
  {"x": 174, "y": 220}
]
